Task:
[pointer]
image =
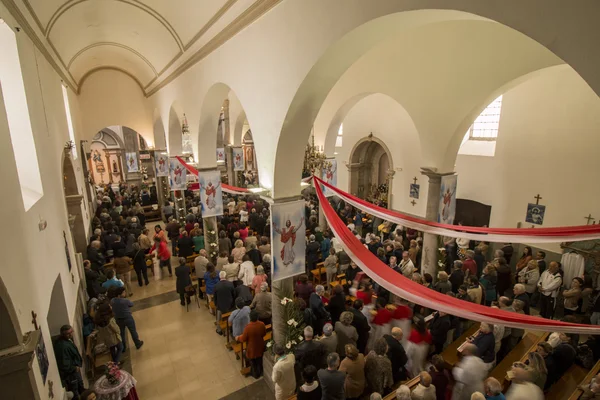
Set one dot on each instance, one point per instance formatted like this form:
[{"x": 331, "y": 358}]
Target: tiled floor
[{"x": 182, "y": 355}]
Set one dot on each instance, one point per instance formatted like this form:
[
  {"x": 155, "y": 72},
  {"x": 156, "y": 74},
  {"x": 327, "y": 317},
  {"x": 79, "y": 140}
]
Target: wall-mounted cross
[
  {"x": 537, "y": 199},
  {"x": 589, "y": 218},
  {"x": 413, "y": 202},
  {"x": 415, "y": 180},
  {"x": 34, "y": 320}
]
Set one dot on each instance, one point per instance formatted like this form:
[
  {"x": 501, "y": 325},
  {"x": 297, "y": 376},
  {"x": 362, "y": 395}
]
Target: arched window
[
  {"x": 17, "y": 113},
  {"x": 338, "y": 139},
  {"x": 480, "y": 139}
]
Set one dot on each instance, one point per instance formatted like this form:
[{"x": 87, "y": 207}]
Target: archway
[
  {"x": 10, "y": 334},
  {"x": 250, "y": 173},
  {"x": 401, "y": 31},
  {"x": 74, "y": 201},
  {"x": 58, "y": 314},
  {"x": 371, "y": 170}
]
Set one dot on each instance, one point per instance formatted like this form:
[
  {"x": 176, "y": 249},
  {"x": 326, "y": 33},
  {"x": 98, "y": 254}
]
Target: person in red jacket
[
  {"x": 469, "y": 264},
  {"x": 164, "y": 254}
]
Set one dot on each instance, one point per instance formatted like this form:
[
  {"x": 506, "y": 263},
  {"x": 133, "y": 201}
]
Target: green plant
[{"x": 294, "y": 325}]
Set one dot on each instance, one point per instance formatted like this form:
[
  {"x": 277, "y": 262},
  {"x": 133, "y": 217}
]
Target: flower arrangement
[
  {"x": 294, "y": 327},
  {"x": 212, "y": 245},
  {"x": 442, "y": 258},
  {"x": 113, "y": 373}
]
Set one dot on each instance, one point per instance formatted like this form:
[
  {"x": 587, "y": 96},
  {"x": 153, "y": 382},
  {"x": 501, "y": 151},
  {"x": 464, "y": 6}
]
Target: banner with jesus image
[
  {"x": 238, "y": 159},
  {"x": 288, "y": 238},
  {"x": 329, "y": 176},
  {"x": 177, "y": 175},
  {"x": 447, "y": 208},
  {"x": 211, "y": 195}
]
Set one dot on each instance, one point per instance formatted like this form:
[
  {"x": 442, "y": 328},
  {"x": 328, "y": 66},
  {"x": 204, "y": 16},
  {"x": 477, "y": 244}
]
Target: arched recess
[
  {"x": 175, "y": 120},
  {"x": 349, "y": 49},
  {"x": 58, "y": 314},
  {"x": 74, "y": 200},
  {"x": 370, "y": 164},
  {"x": 238, "y": 129},
  {"x": 10, "y": 332}
]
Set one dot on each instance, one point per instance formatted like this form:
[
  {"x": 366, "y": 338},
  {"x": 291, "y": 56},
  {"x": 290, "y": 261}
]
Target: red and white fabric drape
[
  {"x": 502, "y": 235},
  {"x": 224, "y": 187},
  {"x": 401, "y": 286}
]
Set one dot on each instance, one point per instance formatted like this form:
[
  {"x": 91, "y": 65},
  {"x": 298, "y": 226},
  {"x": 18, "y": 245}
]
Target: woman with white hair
[
  {"x": 258, "y": 279},
  {"x": 262, "y": 303},
  {"x": 238, "y": 252},
  {"x": 403, "y": 393}
]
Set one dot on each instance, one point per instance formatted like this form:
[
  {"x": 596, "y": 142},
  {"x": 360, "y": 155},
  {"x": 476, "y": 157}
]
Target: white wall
[
  {"x": 389, "y": 122},
  {"x": 110, "y": 97},
  {"x": 547, "y": 144},
  {"x": 32, "y": 260}
]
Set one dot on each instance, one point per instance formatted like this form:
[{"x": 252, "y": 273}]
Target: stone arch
[
  {"x": 334, "y": 62},
  {"x": 367, "y": 158},
  {"x": 10, "y": 332},
  {"x": 58, "y": 314},
  {"x": 238, "y": 129}
]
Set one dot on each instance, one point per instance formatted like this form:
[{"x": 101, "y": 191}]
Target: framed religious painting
[
  {"x": 414, "y": 190},
  {"x": 132, "y": 162},
  {"x": 535, "y": 214}
]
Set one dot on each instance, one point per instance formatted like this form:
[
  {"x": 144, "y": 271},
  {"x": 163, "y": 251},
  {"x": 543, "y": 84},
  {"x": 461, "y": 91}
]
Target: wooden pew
[
  {"x": 586, "y": 381},
  {"x": 519, "y": 354},
  {"x": 151, "y": 214},
  {"x": 239, "y": 349},
  {"x": 317, "y": 273},
  {"x": 451, "y": 353},
  {"x": 567, "y": 384}
]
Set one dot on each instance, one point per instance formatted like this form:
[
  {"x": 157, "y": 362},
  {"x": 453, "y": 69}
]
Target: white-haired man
[
  {"x": 310, "y": 352},
  {"x": 521, "y": 294}
]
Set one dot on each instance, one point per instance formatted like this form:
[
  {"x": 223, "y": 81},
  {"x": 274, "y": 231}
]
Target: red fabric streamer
[
  {"x": 401, "y": 286},
  {"x": 225, "y": 187},
  {"x": 521, "y": 235}
]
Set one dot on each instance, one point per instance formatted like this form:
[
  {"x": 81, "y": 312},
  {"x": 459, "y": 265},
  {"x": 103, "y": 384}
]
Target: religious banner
[
  {"x": 249, "y": 151},
  {"x": 42, "y": 358},
  {"x": 330, "y": 176},
  {"x": 220, "y": 154},
  {"x": 162, "y": 164},
  {"x": 132, "y": 162},
  {"x": 447, "y": 208},
  {"x": 211, "y": 196},
  {"x": 288, "y": 240},
  {"x": 238, "y": 159},
  {"x": 177, "y": 175}
]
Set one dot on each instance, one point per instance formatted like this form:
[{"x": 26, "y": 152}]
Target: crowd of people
[{"x": 359, "y": 339}]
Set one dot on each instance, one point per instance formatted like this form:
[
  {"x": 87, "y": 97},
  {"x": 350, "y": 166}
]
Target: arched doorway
[
  {"x": 250, "y": 173},
  {"x": 371, "y": 171},
  {"x": 58, "y": 314}
]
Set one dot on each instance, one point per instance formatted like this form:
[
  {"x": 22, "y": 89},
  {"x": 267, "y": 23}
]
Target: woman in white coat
[
  {"x": 247, "y": 272},
  {"x": 283, "y": 375}
]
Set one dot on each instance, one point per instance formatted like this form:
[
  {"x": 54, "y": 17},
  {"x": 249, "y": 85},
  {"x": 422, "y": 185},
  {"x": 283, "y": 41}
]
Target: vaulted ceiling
[{"x": 153, "y": 41}]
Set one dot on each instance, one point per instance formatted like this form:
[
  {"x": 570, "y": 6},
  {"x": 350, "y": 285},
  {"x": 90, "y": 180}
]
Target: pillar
[
  {"x": 229, "y": 160},
  {"x": 430, "y": 242},
  {"x": 179, "y": 206},
  {"x": 211, "y": 243}
]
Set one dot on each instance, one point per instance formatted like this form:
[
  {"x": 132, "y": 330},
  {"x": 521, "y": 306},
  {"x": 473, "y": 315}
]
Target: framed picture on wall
[
  {"x": 535, "y": 214},
  {"x": 414, "y": 190}
]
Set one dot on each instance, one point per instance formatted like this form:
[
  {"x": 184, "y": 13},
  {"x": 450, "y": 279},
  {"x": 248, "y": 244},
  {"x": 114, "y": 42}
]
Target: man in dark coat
[
  {"x": 185, "y": 245},
  {"x": 439, "y": 327},
  {"x": 396, "y": 354},
  {"x": 337, "y": 304},
  {"x": 318, "y": 308},
  {"x": 182, "y": 272},
  {"x": 69, "y": 362},
  {"x": 361, "y": 324},
  {"x": 310, "y": 352},
  {"x": 224, "y": 297},
  {"x": 312, "y": 253}
]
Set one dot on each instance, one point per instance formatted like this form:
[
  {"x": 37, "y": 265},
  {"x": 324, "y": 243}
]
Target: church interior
[{"x": 463, "y": 126}]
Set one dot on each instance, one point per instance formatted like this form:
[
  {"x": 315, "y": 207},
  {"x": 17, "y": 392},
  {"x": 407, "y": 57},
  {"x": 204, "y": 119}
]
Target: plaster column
[
  {"x": 229, "y": 160},
  {"x": 430, "y": 241},
  {"x": 210, "y": 225}
]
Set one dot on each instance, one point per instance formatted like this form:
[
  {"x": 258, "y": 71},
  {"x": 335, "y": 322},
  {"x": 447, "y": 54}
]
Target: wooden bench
[
  {"x": 567, "y": 384},
  {"x": 340, "y": 280},
  {"x": 586, "y": 381},
  {"x": 519, "y": 353},
  {"x": 317, "y": 273},
  {"x": 151, "y": 214},
  {"x": 246, "y": 368},
  {"x": 95, "y": 360}
]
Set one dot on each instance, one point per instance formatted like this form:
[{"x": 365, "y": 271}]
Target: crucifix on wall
[
  {"x": 34, "y": 320},
  {"x": 590, "y": 218}
]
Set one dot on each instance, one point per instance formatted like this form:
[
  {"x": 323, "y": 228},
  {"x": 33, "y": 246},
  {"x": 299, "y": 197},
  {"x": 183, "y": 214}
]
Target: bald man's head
[{"x": 425, "y": 378}]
